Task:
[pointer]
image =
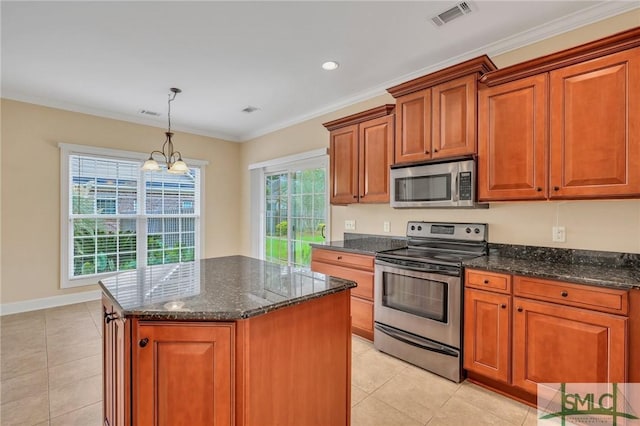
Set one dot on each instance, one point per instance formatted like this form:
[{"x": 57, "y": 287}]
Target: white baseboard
[{"x": 48, "y": 302}]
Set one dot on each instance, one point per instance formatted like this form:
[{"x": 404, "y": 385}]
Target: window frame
[
  {"x": 259, "y": 171},
  {"x": 66, "y": 229}
]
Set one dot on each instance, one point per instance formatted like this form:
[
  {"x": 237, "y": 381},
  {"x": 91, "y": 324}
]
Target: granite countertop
[
  {"x": 224, "y": 288},
  {"x": 597, "y": 275},
  {"x": 363, "y": 244}
]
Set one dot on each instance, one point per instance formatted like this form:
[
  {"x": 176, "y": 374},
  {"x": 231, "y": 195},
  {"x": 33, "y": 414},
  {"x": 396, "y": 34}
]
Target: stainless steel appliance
[
  {"x": 444, "y": 183},
  {"x": 418, "y": 295}
]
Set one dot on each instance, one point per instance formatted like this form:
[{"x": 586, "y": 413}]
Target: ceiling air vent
[
  {"x": 449, "y": 15},
  {"x": 249, "y": 109},
  {"x": 147, "y": 112}
]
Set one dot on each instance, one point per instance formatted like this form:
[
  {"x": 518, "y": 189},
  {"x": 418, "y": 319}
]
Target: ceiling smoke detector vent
[
  {"x": 460, "y": 9},
  {"x": 249, "y": 109},
  {"x": 147, "y": 112}
]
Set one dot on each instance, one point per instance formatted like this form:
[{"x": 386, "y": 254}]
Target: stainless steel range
[{"x": 418, "y": 295}]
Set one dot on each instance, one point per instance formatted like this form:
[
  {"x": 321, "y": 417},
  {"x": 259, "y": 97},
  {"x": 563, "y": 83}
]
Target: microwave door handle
[{"x": 456, "y": 195}]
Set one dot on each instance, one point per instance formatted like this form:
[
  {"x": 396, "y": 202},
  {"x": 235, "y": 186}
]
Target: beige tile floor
[{"x": 50, "y": 374}]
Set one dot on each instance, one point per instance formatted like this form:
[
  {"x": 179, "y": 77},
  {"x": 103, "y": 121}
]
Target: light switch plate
[
  {"x": 350, "y": 225},
  {"x": 386, "y": 226}
]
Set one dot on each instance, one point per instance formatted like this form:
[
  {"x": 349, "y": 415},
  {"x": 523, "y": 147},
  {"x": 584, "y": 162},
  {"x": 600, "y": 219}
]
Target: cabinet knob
[
  {"x": 556, "y": 188},
  {"x": 564, "y": 294},
  {"x": 520, "y": 309},
  {"x": 435, "y": 150},
  {"x": 339, "y": 257},
  {"x": 426, "y": 151},
  {"x": 486, "y": 281},
  {"x": 355, "y": 196},
  {"x": 503, "y": 306},
  {"x": 538, "y": 189},
  {"x": 143, "y": 342}
]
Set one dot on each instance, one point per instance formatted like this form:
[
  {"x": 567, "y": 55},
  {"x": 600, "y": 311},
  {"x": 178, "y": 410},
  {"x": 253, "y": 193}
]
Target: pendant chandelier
[{"x": 173, "y": 159}]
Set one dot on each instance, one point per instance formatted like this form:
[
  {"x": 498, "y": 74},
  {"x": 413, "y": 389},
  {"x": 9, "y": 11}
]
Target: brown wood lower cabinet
[
  {"x": 183, "y": 373},
  {"x": 487, "y": 331},
  {"x": 116, "y": 365},
  {"x": 554, "y": 344},
  {"x": 290, "y": 366},
  {"x": 353, "y": 267},
  {"x": 539, "y": 331}
]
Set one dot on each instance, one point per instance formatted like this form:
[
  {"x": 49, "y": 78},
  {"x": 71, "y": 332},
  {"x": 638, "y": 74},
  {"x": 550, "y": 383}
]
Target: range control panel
[{"x": 452, "y": 231}]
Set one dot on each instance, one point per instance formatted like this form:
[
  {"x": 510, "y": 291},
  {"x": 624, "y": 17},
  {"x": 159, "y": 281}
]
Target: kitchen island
[{"x": 226, "y": 341}]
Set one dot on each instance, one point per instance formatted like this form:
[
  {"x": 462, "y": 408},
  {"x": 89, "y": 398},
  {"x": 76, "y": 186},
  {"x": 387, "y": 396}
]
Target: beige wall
[
  {"x": 31, "y": 189},
  {"x": 597, "y": 225}
]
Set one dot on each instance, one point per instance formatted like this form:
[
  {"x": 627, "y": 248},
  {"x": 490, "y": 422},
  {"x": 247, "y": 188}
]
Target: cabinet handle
[
  {"x": 110, "y": 316},
  {"x": 339, "y": 257},
  {"x": 486, "y": 281},
  {"x": 503, "y": 306},
  {"x": 520, "y": 309},
  {"x": 564, "y": 294},
  {"x": 556, "y": 188},
  {"x": 143, "y": 342},
  {"x": 538, "y": 189}
]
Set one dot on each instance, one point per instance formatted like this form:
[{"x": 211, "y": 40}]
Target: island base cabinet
[
  {"x": 555, "y": 344},
  {"x": 294, "y": 365},
  {"x": 115, "y": 366},
  {"x": 183, "y": 374}
]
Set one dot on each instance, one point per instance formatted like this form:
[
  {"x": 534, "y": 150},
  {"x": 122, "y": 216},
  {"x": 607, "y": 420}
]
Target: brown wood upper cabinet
[
  {"x": 361, "y": 151},
  {"x": 563, "y": 126},
  {"x": 436, "y": 113}
]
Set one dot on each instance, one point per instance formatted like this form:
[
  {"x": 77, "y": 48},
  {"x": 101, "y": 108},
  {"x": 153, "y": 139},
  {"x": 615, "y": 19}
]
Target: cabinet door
[
  {"x": 376, "y": 156},
  {"x": 362, "y": 317},
  {"x": 512, "y": 140},
  {"x": 595, "y": 132},
  {"x": 454, "y": 117},
  {"x": 486, "y": 334},
  {"x": 115, "y": 367},
  {"x": 413, "y": 127},
  {"x": 343, "y": 148},
  {"x": 183, "y": 374},
  {"x": 555, "y": 344}
]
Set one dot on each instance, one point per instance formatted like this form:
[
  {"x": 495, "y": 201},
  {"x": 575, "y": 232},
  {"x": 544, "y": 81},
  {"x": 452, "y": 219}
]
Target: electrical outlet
[
  {"x": 558, "y": 234},
  {"x": 350, "y": 225},
  {"x": 386, "y": 226}
]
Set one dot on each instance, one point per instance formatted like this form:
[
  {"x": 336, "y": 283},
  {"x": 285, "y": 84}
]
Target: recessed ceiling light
[{"x": 330, "y": 65}]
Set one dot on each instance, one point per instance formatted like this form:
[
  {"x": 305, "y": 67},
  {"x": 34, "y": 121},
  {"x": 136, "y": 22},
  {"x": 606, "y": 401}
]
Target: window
[
  {"x": 117, "y": 217},
  {"x": 292, "y": 195}
]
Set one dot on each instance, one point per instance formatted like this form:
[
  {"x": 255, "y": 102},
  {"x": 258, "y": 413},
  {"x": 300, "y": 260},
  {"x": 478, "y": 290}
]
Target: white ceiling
[{"x": 115, "y": 58}]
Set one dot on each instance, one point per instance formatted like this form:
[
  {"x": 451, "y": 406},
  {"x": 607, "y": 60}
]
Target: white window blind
[{"x": 119, "y": 218}]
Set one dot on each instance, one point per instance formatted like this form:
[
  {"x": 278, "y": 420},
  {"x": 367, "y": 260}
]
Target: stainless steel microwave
[{"x": 445, "y": 184}]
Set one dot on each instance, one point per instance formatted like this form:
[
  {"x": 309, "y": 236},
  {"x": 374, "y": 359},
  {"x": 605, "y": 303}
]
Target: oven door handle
[{"x": 420, "y": 343}]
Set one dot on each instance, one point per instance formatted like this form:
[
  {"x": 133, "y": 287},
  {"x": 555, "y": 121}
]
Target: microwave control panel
[{"x": 464, "y": 190}]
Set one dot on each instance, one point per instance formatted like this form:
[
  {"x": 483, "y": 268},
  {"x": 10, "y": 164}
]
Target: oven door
[{"x": 422, "y": 303}]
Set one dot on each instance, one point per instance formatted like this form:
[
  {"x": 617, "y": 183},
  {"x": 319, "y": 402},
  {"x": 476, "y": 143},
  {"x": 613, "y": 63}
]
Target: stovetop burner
[{"x": 441, "y": 243}]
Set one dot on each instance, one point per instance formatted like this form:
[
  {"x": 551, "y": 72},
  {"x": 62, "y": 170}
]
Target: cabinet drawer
[
  {"x": 362, "y": 317},
  {"x": 584, "y": 296},
  {"x": 364, "y": 279},
  {"x": 485, "y": 280},
  {"x": 341, "y": 258}
]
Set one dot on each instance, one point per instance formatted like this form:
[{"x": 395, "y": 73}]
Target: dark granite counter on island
[
  {"x": 364, "y": 244},
  {"x": 224, "y": 288},
  {"x": 226, "y": 341},
  {"x": 606, "y": 269}
]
